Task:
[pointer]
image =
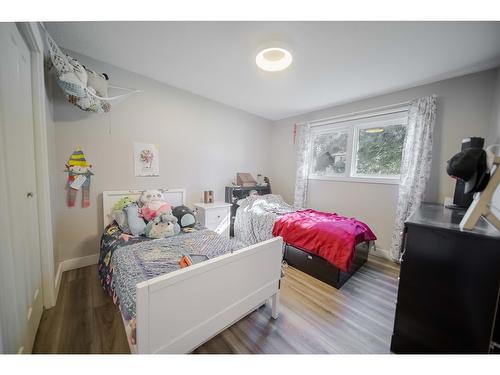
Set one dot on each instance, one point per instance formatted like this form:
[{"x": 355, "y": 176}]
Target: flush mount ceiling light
[
  {"x": 273, "y": 59},
  {"x": 374, "y": 130}
]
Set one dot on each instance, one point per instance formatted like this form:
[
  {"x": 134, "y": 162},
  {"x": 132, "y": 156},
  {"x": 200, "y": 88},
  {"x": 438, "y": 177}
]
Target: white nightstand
[{"x": 215, "y": 216}]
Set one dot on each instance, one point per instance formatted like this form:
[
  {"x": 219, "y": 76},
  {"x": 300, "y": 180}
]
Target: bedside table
[{"x": 215, "y": 216}]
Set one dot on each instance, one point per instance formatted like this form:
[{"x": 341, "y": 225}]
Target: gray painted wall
[
  {"x": 464, "y": 109},
  {"x": 203, "y": 144}
]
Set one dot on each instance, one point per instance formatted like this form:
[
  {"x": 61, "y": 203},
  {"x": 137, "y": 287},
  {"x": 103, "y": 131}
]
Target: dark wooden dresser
[{"x": 449, "y": 285}]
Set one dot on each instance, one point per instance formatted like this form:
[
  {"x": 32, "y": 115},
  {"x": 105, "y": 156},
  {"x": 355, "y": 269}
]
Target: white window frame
[
  {"x": 353, "y": 126},
  {"x": 326, "y": 130}
]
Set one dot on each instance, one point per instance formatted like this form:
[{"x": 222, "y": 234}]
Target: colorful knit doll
[{"x": 79, "y": 172}]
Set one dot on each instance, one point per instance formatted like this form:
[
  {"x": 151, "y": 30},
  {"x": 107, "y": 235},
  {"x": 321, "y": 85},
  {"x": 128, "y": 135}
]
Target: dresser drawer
[{"x": 215, "y": 216}]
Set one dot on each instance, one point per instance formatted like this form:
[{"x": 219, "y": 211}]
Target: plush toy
[
  {"x": 98, "y": 85},
  {"x": 184, "y": 216},
  {"x": 159, "y": 229},
  {"x": 168, "y": 217},
  {"x": 120, "y": 216},
  {"x": 136, "y": 223},
  {"x": 153, "y": 204},
  {"x": 122, "y": 203},
  {"x": 79, "y": 172},
  {"x": 81, "y": 85}
]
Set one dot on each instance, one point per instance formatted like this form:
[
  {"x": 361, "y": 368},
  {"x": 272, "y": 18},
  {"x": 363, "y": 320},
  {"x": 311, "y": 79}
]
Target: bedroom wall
[
  {"x": 202, "y": 143},
  {"x": 464, "y": 109}
]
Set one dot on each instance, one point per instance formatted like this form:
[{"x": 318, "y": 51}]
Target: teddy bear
[{"x": 153, "y": 204}]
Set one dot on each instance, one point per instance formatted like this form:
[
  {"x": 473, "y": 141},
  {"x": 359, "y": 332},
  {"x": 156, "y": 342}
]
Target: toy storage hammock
[{"x": 84, "y": 88}]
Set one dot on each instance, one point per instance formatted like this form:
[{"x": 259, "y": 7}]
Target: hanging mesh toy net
[{"x": 83, "y": 87}]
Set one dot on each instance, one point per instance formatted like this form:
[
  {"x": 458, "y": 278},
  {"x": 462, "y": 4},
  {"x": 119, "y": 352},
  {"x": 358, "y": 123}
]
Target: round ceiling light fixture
[
  {"x": 273, "y": 59},
  {"x": 374, "y": 130}
]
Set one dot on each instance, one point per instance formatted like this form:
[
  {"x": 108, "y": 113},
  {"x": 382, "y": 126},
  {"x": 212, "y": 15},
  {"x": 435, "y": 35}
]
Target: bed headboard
[{"x": 175, "y": 197}]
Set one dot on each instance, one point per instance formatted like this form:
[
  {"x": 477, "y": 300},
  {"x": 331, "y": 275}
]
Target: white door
[{"x": 20, "y": 268}]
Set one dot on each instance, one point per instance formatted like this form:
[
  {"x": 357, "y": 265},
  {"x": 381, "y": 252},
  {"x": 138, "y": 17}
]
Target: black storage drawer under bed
[{"x": 319, "y": 268}]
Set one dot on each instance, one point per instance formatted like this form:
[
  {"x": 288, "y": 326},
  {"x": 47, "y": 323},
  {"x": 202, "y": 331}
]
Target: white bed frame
[{"x": 179, "y": 311}]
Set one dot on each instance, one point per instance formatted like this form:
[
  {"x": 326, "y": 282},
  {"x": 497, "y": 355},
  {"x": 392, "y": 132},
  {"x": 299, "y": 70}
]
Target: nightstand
[{"x": 215, "y": 216}]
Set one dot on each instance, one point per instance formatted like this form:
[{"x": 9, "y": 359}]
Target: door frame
[{"x": 31, "y": 33}]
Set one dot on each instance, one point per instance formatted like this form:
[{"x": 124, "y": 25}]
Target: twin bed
[
  {"x": 176, "y": 312},
  {"x": 324, "y": 245},
  {"x": 167, "y": 309}
]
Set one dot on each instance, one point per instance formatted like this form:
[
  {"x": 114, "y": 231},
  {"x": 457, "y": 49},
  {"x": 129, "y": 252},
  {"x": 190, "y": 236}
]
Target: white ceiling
[{"x": 334, "y": 62}]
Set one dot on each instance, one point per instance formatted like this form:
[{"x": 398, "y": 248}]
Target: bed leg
[{"x": 275, "y": 304}]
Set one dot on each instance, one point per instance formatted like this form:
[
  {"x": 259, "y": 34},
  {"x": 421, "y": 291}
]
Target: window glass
[
  {"x": 379, "y": 150},
  {"x": 329, "y": 152}
]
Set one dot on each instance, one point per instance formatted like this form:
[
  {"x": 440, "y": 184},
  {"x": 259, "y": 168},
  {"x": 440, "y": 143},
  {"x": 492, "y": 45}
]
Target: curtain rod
[{"x": 386, "y": 109}]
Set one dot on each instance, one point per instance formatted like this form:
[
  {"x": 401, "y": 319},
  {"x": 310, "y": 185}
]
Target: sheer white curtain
[
  {"x": 415, "y": 165},
  {"x": 302, "y": 147}
]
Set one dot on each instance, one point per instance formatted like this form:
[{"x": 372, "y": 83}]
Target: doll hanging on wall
[{"x": 79, "y": 172}]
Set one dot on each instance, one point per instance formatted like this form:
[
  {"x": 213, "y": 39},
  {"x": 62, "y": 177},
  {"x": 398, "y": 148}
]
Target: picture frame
[{"x": 146, "y": 159}]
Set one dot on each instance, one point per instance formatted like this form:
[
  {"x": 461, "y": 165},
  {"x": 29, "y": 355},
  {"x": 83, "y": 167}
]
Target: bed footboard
[{"x": 179, "y": 311}]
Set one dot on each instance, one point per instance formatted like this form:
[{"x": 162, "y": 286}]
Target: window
[
  {"x": 367, "y": 149},
  {"x": 329, "y": 151}
]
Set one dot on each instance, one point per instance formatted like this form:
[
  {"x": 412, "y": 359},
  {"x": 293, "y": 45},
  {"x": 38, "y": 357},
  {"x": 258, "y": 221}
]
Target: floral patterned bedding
[
  {"x": 126, "y": 260},
  {"x": 112, "y": 239}
]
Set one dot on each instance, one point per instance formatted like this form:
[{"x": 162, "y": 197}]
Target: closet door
[{"x": 20, "y": 267}]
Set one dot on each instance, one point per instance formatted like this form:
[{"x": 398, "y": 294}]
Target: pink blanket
[{"x": 331, "y": 236}]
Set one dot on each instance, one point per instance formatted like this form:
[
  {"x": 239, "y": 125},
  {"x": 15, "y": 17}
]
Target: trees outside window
[{"x": 379, "y": 150}]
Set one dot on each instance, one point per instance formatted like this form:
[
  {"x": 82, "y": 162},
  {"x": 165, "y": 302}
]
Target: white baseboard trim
[
  {"x": 71, "y": 264},
  {"x": 57, "y": 280},
  {"x": 382, "y": 253}
]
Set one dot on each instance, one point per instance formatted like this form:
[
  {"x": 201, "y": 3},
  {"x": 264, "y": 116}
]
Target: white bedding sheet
[{"x": 256, "y": 215}]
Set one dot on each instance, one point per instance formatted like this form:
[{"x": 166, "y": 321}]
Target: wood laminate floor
[{"x": 314, "y": 317}]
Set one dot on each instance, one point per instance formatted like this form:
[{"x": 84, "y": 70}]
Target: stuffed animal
[
  {"x": 167, "y": 217},
  {"x": 120, "y": 216},
  {"x": 153, "y": 204},
  {"x": 81, "y": 85},
  {"x": 98, "y": 85},
  {"x": 136, "y": 223},
  {"x": 122, "y": 203},
  {"x": 159, "y": 229},
  {"x": 78, "y": 171},
  {"x": 184, "y": 216}
]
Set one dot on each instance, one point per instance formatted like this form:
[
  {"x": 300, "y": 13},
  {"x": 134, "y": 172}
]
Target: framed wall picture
[{"x": 146, "y": 159}]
